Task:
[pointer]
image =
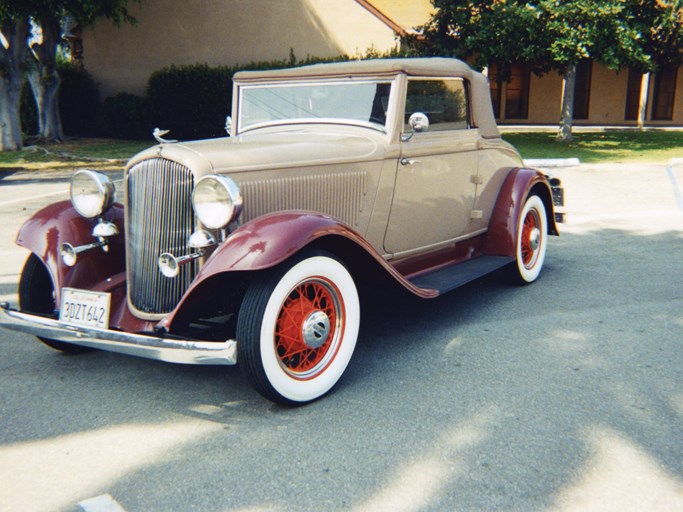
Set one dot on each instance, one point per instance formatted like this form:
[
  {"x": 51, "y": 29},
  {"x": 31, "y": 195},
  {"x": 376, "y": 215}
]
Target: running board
[{"x": 448, "y": 278}]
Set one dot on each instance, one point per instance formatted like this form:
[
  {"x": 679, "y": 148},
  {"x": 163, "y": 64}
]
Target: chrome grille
[{"x": 160, "y": 219}]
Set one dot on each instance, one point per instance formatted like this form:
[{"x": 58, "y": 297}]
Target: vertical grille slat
[
  {"x": 337, "y": 194},
  {"x": 160, "y": 219}
]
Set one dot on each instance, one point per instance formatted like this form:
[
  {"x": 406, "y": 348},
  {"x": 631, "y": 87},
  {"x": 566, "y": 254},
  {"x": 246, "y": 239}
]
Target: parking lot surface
[{"x": 565, "y": 395}]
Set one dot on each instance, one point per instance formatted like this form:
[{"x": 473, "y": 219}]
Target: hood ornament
[{"x": 158, "y": 135}]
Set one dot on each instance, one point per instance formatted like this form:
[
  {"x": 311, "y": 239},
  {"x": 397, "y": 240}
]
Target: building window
[
  {"x": 517, "y": 92},
  {"x": 496, "y": 86},
  {"x": 635, "y": 82},
  {"x": 664, "y": 94},
  {"x": 583, "y": 88}
]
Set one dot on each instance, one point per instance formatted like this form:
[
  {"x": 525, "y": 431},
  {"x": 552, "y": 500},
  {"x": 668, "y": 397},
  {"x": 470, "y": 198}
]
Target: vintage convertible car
[{"x": 250, "y": 249}]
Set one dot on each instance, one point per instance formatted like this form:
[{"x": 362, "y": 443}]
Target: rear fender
[
  {"x": 501, "y": 238},
  {"x": 45, "y": 232}
]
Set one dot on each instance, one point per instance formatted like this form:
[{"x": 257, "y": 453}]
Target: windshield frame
[{"x": 245, "y": 87}]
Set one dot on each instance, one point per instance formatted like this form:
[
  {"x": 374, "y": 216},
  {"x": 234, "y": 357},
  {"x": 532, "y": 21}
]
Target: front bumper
[{"x": 140, "y": 345}]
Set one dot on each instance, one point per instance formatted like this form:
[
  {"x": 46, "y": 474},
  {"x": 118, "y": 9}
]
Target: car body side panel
[{"x": 435, "y": 175}]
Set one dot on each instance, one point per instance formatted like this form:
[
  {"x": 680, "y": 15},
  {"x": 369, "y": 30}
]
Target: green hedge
[
  {"x": 126, "y": 116},
  {"x": 190, "y": 101},
  {"x": 193, "y": 101}
]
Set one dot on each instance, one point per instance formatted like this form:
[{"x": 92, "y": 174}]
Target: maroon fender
[
  {"x": 269, "y": 240},
  {"x": 501, "y": 237},
  {"x": 45, "y": 232}
]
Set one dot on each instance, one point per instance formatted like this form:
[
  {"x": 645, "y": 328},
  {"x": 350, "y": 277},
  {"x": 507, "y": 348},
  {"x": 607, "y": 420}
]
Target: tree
[
  {"x": 602, "y": 30},
  {"x": 15, "y": 27},
  {"x": 43, "y": 77},
  {"x": 556, "y": 35},
  {"x": 40, "y": 60}
]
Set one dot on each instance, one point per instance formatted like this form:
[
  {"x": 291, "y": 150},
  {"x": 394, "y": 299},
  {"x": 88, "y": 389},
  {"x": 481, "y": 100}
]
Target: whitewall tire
[
  {"x": 297, "y": 328},
  {"x": 532, "y": 240}
]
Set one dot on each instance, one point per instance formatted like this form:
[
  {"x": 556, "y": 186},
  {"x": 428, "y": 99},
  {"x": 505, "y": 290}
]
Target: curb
[{"x": 552, "y": 162}]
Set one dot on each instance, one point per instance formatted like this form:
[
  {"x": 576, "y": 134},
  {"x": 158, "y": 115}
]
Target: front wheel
[
  {"x": 297, "y": 329},
  {"x": 532, "y": 240}
]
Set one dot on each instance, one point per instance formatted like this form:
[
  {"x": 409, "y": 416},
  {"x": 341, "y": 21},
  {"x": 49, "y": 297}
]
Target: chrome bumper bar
[{"x": 140, "y": 345}]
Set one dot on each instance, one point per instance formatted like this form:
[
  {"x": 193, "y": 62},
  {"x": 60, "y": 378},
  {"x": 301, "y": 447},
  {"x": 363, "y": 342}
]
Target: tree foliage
[
  {"x": 39, "y": 61},
  {"x": 557, "y": 34}
]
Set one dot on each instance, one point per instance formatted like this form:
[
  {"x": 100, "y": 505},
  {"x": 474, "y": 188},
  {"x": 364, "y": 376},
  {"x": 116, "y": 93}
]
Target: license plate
[{"x": 86, "y": 308}]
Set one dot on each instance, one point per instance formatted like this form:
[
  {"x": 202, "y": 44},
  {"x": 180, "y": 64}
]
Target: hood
[{"x": 269, "y": 149}]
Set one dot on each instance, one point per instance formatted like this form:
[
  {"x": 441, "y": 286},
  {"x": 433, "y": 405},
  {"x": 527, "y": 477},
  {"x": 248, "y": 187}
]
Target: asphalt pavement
[{"x": 565, "y": 395}]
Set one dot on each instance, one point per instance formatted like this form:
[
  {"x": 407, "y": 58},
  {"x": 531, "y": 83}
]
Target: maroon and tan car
[{"x": 250, "y": 249}]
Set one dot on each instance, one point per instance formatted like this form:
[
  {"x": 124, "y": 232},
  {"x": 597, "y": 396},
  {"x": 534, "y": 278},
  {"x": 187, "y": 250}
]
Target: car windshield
[{"x": 357, "y": 102}]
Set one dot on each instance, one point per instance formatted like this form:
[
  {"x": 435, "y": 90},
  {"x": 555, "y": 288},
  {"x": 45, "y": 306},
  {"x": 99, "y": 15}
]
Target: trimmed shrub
[
  {"x": 190, "y": 101},
  {"x": 79, "y": 101},
  {"x": 125, "y": 116},
  {"x": 193, "y": 101},
  {"x": 28, "y": 111}
]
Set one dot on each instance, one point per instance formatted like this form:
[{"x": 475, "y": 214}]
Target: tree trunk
[
  {"x": 567, "y": 113},
  {"x": 46, "y": 93},
  {"x": 10, "y": 121},
  {"x": 12, "y": 60},
  {"x": 45, "y": 81}
]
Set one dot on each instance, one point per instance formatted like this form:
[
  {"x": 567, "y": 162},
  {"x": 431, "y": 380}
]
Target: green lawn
[
  {"x": 608, "y": 146},
  {"x": 100, "y": 154}
]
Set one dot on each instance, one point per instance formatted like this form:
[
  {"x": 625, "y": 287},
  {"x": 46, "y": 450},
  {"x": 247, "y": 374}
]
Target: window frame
[
  {"x": 467, "y": 97},
  {"x": 656, "y": 114}
]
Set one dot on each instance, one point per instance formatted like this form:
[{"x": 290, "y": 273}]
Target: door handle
[{"x": 408, "y": 161}]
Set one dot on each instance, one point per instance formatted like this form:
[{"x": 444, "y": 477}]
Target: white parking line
[
  {"x": 31, "y": 198},
  {"x": 42, "y": 196},
  {"x": 674, "y": 183},
  {"x": 104, "y": 503}
]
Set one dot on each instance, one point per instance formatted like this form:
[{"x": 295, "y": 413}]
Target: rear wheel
[
  {"x": 297, "y": 329},
  {"x": 532, "y": 239},
  {"x": 37, "y": 295}
]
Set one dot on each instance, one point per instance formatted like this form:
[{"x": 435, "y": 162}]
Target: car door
[{"x": 437, "y": 171}]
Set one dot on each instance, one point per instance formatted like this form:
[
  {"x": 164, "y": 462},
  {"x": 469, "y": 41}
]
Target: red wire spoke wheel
[
  {"x": 297, "y": 328},
  {"x": 309, "y": 328},
  {"x": 532, "y": 235}
]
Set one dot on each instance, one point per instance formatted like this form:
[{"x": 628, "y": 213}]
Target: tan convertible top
[{"x": 434, "y": 67}]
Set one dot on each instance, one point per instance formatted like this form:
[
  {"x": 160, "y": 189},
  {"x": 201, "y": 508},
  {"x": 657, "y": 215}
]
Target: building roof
[{"x": 403, "y": 16}]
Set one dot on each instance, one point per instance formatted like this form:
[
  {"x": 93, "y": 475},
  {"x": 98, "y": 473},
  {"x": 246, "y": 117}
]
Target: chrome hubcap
[
  {"x": 316, "y": 329},
  {"x": 535, "y": 239}
]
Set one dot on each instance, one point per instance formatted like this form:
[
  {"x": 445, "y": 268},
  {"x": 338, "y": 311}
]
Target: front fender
[
  {"x": 501, "y": 238},
  {"x": 271, "y": 239},
  {"x": 45, "y": 232},
  {"x": 268, "y": 240}
]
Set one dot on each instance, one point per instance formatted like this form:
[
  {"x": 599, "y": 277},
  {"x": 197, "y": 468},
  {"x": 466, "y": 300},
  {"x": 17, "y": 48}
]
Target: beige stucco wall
[
  {"x": 225, "y": 32},
  {"x": 607, "y": 100},
  {"x": 545, "y": 98},
  {"x": 607, "y": 97}
]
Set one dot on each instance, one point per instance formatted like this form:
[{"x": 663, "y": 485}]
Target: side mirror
[{"x": 419, "y": 122}]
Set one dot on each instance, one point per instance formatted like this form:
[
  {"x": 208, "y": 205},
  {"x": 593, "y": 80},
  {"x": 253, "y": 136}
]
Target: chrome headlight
[
  {"x": 92, "y": 193},
  {"x": 216, "y": 201}
]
